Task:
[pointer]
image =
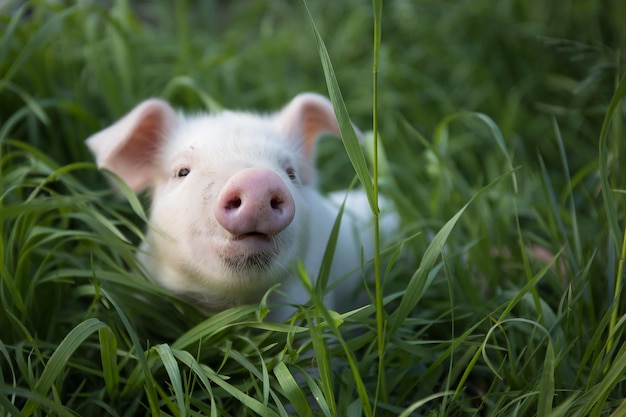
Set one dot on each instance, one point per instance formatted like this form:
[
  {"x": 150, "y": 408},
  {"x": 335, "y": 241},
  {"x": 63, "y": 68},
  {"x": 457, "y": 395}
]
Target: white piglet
[{"x": 234, "y": 204}]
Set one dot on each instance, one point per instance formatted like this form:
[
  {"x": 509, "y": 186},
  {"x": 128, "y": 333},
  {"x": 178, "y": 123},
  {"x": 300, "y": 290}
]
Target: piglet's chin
[
  {"x": 250, "y": 263},
  {"x": 248, "y": 252}
]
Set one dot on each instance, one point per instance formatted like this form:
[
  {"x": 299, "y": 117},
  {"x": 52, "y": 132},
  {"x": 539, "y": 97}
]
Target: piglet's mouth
[
  {"x": 250, "y": 243},
  {"x": 252, "y": 235}
]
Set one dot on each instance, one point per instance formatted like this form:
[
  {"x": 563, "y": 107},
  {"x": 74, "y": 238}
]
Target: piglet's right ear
[{"x": 130, "y": 147}]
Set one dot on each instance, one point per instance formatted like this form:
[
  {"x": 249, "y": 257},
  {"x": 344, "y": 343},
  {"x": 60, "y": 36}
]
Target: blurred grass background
[{"x": 495, "y": 331}]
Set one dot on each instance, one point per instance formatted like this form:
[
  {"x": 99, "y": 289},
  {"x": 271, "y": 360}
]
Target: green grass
[{"x": 500, "y": 128}]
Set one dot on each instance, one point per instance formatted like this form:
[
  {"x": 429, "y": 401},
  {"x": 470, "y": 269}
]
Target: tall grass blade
[
  {"x": 318, "y": 395},
  {"x": 213, "y": 325},
  {"x": 58, "y": 361},
  {"x": 418, "y": 404},
  {"x": 528, "y": 287},
  {"x": 329, "y": 252},
  {"x": 597, "y": 404},
  {"x": 45, "y": 33},
  {"x": 421, "y": 278},
  {"x": 348, "y": 135},
  {"x": 143, "y": 369},
  {"x": 6, "y": 405},
  {"x": 381, "y": 386},
  {"x": 324, "y": 360},
  {"x": 349, "y": 355},
  {"x": 9, "y": 32},
  {"x": 34, "y": 397},
  {"x": 250, "y": 402},
  {"x": 198, "y": 371},
  {"x": 576, "y": 253},
  {"x": 607, "y": 192},
  {"x": 546, "y": 386},
  {"x": 171, "y": 367},
  {"x": 292, "y": 390},
  {"x": 248, "y": 363},
  {"x": 108, "y": 355}
]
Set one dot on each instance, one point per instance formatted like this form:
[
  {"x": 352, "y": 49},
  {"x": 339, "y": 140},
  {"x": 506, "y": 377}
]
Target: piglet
[{"x": 234, "y": 205}]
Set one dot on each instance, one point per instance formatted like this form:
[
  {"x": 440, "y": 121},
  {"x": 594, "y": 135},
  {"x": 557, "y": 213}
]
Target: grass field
[{"x": 503, "y": 136}]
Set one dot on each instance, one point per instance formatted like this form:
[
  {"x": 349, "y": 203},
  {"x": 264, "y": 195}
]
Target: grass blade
[
  {"x": 58, "y": 361},
  {"x": 607, "y": 193},
  {"x": 143, "y": 368},
  {"x": 607, "y": 196},
  {"x": 546, "y": 386},
  {"x": 45, "y": 33},
  {"x": 33, "y": 397},
  {"x": 171, "y": 367},
  {"x": 292, "y": 391},
  {"x": 421, "y": 278},
  {"x": 108, "y": 354},
  {"x": 407, "y": 412},
  {"x": 348, "y": 135},
  {"x": 191, "y": 363},
  {"x": 214, "y": 324}
]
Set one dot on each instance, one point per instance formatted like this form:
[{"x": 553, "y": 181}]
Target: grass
[{"x": 500, "y": 128}]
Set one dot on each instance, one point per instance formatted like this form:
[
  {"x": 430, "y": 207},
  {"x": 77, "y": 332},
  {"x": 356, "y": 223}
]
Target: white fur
[{"x": 185, "y": 245}]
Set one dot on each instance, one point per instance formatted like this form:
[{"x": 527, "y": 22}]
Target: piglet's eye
[
  {"x": 183, "y": 172},
  {"x": 291, "y": 173}
]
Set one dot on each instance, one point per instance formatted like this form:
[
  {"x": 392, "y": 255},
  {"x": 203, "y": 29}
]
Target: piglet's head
[{"x": 230, "y": 192}]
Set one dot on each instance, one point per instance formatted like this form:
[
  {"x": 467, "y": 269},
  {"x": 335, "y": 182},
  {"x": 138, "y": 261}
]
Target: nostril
[
  {"x": 275, "y": 203},
  {"x": 233, "y": 203}
]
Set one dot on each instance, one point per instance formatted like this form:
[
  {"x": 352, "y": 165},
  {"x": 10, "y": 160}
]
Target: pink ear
[
  {"x": 305, "y": 118},
  {"x": 129, "y": 147}
]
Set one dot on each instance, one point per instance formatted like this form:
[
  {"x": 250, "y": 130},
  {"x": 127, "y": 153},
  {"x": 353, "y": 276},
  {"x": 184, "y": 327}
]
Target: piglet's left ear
[{"x": 305, "y": 118}]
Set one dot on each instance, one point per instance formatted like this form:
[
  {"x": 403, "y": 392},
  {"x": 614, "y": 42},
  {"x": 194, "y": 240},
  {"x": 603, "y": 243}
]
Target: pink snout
[{"x": 255, "y": 201}]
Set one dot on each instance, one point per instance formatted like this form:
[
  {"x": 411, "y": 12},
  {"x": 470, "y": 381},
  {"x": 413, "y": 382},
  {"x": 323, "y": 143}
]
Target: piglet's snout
[{"x": 255, "y": 201}]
